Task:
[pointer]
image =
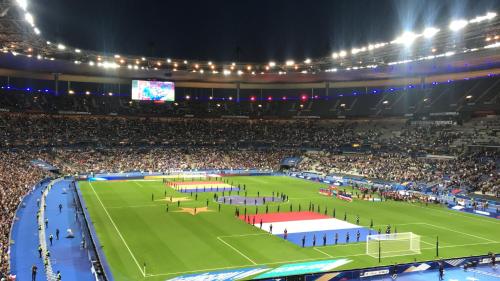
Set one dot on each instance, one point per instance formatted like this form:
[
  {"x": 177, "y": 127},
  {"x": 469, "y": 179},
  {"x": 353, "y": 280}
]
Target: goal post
[{"x": 392, "y": 245}]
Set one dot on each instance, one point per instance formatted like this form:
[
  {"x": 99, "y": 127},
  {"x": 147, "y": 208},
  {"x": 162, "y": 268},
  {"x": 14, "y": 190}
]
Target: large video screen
[{"x": 153, "y": 90}]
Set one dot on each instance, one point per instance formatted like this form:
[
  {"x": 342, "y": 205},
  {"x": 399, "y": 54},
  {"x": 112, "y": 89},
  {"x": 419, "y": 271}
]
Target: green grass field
[{"x": 134, "y": 230}]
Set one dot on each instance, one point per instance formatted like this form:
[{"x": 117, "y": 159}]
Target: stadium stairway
[
  {"x": 67, "y": 256},
  {"x": 24, "y": 247}
]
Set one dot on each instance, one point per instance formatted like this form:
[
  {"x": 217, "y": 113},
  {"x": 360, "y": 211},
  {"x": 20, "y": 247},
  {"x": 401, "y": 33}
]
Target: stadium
[{"x": 361, "y": 142}]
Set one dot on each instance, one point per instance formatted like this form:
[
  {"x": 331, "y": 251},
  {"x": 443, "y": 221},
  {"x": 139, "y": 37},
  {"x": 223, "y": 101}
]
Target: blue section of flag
[{"x": 296, "y": 238}]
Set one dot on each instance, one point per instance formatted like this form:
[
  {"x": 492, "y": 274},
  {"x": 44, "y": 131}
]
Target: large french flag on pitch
[{"x": 313, "y": 228}]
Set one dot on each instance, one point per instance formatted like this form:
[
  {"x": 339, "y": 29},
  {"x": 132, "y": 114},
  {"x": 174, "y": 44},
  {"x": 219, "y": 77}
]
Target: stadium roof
[{"x": 464, "y": 45}]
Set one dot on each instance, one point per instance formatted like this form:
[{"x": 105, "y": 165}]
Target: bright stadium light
[
  {"x": 78, "y": 51},
  {"x": 335, "y": 55},
  {"x": 406, "y": 38},
  {"x": 429, "y": 32},
  {"x": 289, "y": 62},
  {"x": 272, "y": 64},
  {"x": 29, "y": 18},
  {"x": 456, "y": 25},
  {"x": 488, "y": 16},
  {"x": 61, "y": 47},
  {"x": 342, "y": 54},
  {"x": 307, "y": 61},
  {"x": 23, "y": 4}
]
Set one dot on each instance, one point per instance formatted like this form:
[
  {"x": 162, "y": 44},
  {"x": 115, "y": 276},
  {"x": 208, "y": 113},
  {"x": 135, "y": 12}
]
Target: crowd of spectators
[
  {"x": 471, "y": 171},
  {"x": 17, "y": 178}
]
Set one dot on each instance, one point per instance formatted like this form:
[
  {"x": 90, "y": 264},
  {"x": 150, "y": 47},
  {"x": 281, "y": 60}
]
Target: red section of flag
[{"x": 288, "y": 216}]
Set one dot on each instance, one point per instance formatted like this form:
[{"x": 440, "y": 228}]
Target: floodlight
[
  {"x": 29, "y": 18},
  {"x": 406, "y": 38},
  {"x": 289, "y": 62},
  {"x": 429, "y": 32},
  {"x": 456, "y": 25},
  {"x": 23, "y": 4}
]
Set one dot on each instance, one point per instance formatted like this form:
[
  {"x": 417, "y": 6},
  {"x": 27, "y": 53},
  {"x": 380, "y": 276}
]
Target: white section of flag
[{"x": 307, "y": 225}]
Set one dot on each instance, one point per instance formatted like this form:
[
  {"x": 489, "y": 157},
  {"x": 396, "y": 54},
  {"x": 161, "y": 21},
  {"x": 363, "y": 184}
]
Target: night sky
[{"x": 253, "y": 30}]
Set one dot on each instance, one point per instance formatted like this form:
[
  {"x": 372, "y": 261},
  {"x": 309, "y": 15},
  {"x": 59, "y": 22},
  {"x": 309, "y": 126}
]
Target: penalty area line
[
  {"x": 237, "y": 251},
  {"x": 322, "y": 252}
]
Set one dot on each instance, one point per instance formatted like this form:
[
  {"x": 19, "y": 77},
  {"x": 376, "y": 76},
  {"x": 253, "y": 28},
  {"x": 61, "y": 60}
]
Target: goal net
[{"x": 392, "y": 245}]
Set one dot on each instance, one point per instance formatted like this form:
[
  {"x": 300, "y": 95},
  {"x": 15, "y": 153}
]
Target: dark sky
[{"x": 261, "y": 29}]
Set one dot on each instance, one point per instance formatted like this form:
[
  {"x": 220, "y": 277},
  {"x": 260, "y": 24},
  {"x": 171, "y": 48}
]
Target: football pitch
[{"x": 142, "y": 240}]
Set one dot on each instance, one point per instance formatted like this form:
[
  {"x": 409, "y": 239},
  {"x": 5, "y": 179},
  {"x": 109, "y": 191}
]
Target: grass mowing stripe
[
  {"x": 118, "y": 231},
  {"x": 236, "y": 250}
]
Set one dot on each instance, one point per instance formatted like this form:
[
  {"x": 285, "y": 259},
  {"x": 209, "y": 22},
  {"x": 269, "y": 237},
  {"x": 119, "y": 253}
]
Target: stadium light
[
  {"x": 272, "y": 64},
  {"x": 335, "y": 55},
  {"x": 429, "y": 32},
  {"x": 488, "y": 16},
  {"x": 61, "y": 47},
  {"x": 169, "y": 60},
  {"x": 289, "y": 62},
  {"x": 406, "y": 38},
  {"x": 23, "y": 4},
  {"x": 307, "y": 61},
  {"x": 456, "y": 25},
  {"x": 78, "y": 51},
  {"x": 342, "y": 54},
  {"x": 29, "y": 18}
]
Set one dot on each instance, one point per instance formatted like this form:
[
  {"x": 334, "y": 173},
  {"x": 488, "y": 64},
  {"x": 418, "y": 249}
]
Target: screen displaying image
[{"x": 153, "y": 90}]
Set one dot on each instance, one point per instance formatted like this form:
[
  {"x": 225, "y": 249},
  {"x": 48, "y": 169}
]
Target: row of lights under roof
[{"x": 406, "y": 38}]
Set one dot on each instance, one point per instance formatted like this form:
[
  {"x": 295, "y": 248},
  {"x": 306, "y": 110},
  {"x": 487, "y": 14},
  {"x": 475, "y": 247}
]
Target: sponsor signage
[
  {"x": 303, "y": 268},
  {"x": 374, "y": 273},
  {"x": 226, "y": 275}
]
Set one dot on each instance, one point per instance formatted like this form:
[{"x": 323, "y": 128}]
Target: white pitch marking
[
  {"x": 456, "y": 231},
  {"x": 236, "y": 250},
  {"x": 118, "y": 231},
  {"x": 322, "y": 252}
]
